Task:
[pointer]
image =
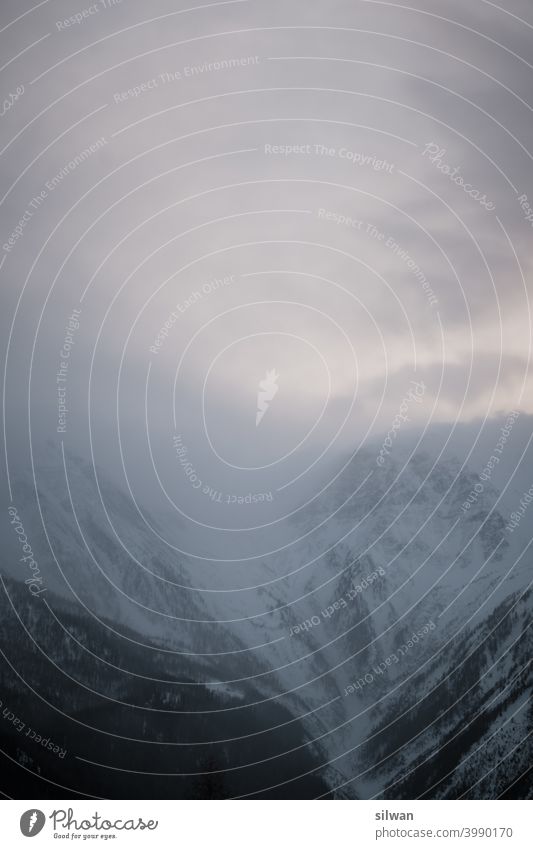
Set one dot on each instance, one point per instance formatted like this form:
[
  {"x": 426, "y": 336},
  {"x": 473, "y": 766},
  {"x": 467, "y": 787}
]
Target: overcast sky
[{"x": 308, "y": 158}]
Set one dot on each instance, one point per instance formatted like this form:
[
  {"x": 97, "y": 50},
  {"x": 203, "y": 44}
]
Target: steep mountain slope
[
  {"x": 387, "y": 646},
  {"x": 95, "y": 716},
  {"x": 417, "y": 583}
]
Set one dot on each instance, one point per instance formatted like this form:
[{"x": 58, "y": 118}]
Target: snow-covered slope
[{"x": 391, "y": 596}]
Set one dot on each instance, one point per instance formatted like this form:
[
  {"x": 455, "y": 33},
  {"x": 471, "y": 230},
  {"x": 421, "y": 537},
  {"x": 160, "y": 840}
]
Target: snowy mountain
[{"x": 386, "y": 648}]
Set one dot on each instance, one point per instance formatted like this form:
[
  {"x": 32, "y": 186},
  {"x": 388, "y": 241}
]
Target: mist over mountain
[{"x": 383, "y": 650}]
